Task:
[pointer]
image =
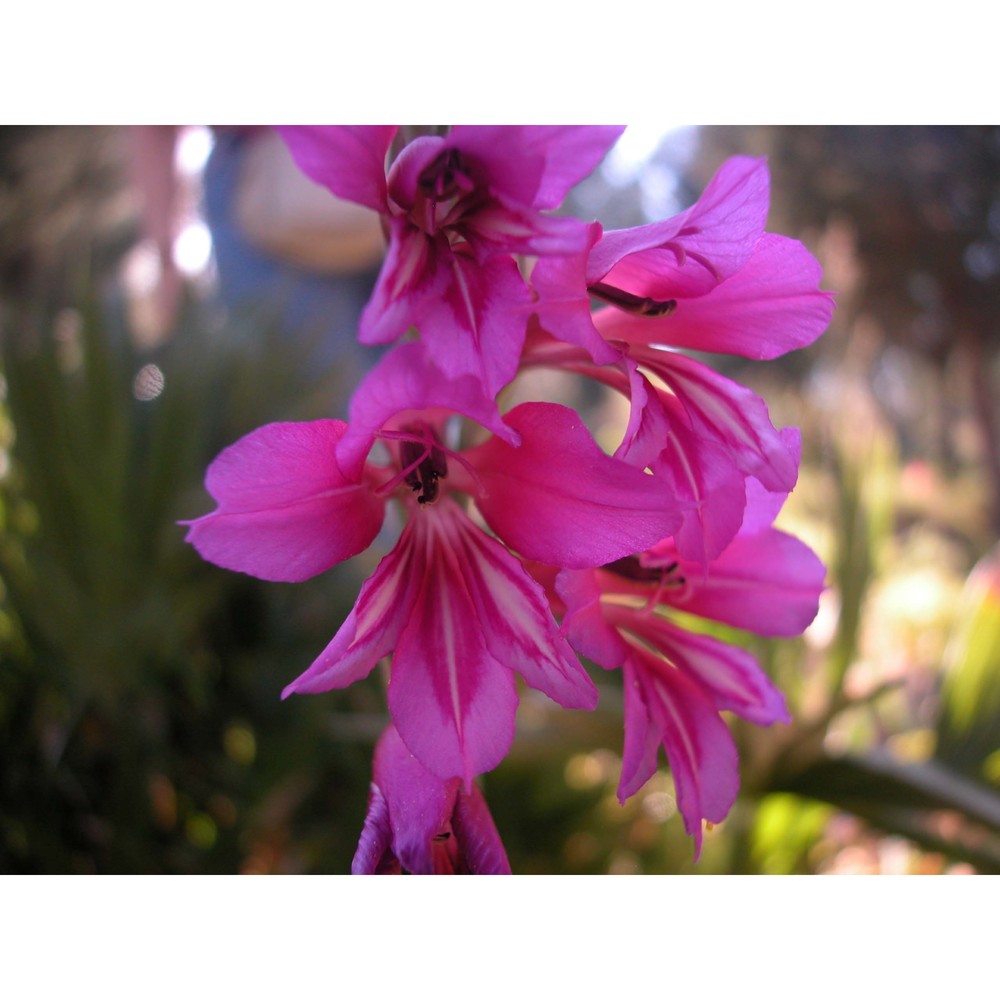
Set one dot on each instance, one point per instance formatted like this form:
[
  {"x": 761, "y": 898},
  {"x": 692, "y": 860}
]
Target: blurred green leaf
[
  {"x": 785, "y": 828},
  {"x": 126, "y": 659},
  {"x": 865, "y": 472},
  {"x": 929, "y": 803},
  {"x": 968, "y": 733}
]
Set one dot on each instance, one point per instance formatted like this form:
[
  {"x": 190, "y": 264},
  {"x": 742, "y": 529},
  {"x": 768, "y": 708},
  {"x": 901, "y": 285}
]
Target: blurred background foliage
[{"x": 141, "y": 728}]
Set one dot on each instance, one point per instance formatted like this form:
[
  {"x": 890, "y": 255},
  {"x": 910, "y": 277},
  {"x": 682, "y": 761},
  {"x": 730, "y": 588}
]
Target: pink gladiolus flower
[
  {"x": 422, "y": 824},
  {"x": 676, "y": 682},
  {"x": 458, "y": 208},
  {"x": 709, "y": 279},
  {"x": 455, "y": 604},
  {"x": 526, "y": 519}
]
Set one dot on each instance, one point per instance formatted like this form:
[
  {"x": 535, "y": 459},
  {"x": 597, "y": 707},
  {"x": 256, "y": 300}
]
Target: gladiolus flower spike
[{"x": 532, "y": 547}]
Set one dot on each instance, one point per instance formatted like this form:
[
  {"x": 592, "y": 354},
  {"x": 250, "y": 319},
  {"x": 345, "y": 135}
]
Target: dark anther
[
  {"x": 636, "y": 304},
  {"x": 630, "y": 568},
  {"x": 423, "y": 477},
  {"x": 446, "y": 177}
]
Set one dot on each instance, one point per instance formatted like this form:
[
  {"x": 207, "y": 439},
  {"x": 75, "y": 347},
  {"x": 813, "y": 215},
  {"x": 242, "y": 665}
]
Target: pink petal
[
  {"x": 558, "y": 499},
  {"x": 373, "y": 855},
  {"x": 513, "y": 611},
  {"x": 478, "y": 840},
  {"x": 768, "y": 583},
  {"x": 730, "y": 676},
  {"x": 477, "y": 325},
  {"x": 413, "y": 816},
  {"x": 571, "y": 154},
  {"x": 703, "y": 473},
  {"x": 503, "y": 226},
  {"x": 563, "y": 305},
  {"x": 472, "y": 315},
  {"x": 347, "y": 159},
  {"x": 536, "y": 164},
  {"x": 451, "y": 699},
  {"x": 419, "y": 804},
  {"x": 770, "y": 306},
  {"x": 506, "y": 159},
  {"x": 285, "y": 511},
  {"x": 404, "y": 174},
  {"x": 649, "y": 424},
  {"x": 763, "y": 505},
  {"x": 698, "y": 470},
  {"x": 720, "y": 410},
  {"x": 348, "y": 657},
  {"x": 699, "y": 747},
  {"x": 690, "y": 254},
  {"x": 642, "y": 739},
  {"x": 584, "y": 622},
  {"x": 372, "y": 628},
  {"x": 412, "y": 276},
  {"x": 462, "y": 616}
]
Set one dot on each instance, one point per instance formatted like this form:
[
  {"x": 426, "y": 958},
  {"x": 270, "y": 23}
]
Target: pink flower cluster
[{"x": 534, "y": 546}]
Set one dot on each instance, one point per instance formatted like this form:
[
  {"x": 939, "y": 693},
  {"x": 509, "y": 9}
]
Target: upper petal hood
[
  {"x": 407, "y": 379},
  {"x": 571, "y": 154},
  {"x": 537, "y": 164},
  {"x": 690, "y": 254}
]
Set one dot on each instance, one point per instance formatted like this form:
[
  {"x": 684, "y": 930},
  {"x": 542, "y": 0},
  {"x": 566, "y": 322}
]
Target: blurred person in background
[{"x": 286, "y": 250}]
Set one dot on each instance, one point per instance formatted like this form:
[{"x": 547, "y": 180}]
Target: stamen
[
  {"x": 630, "y": 568},
  {"x": 402, "y": 476},
  {"x": 424, "y": 461},
  {"x": 389, "y": 486},
  {"x": 636, "y": 304},
  {"x": 664, "y": 577}
]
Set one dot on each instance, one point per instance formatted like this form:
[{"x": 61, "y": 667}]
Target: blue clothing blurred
[{"x": 317, "y": 310}]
